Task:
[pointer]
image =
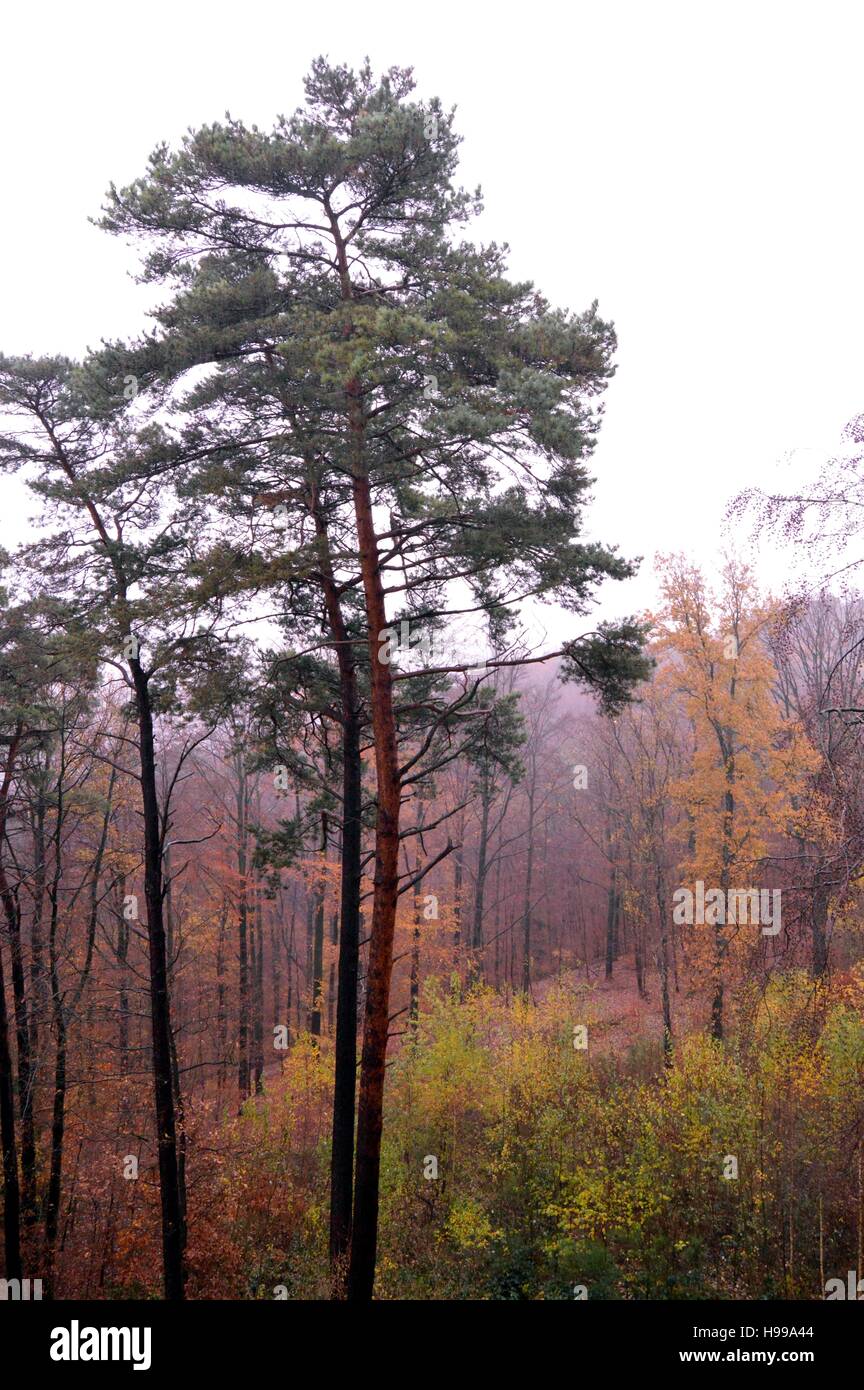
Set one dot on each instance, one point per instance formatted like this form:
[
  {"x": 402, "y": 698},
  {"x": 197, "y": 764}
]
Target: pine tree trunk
[
  {"x": 370, "y": 1109},
  {"x": 166, "y": 1133}
]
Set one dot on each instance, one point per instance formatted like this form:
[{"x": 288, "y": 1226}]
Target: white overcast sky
[{"x": 696, "y": 167}]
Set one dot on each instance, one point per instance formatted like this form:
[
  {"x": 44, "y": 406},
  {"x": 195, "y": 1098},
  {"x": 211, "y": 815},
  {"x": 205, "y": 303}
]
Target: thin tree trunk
[
  {"x": 62, "y": 1011},
  {"x": 276, "y": 969},
  {"x": 318, "y": 917},
  {"x": 11, "y": 1195},
  {"x": 663, "y": 919},
  {"x": 611, "y": 908},
  {"x": 526, "y": 909},
  {"x": 58, "y": 1126},
  {"x": 19, "y": 999},
  {"x": 480, "y": 888},
  {"x": 221, "y": 1001},
  {"x": 25, "y": 1062},
  {"x": 258, "y": 997},
  {"x": 639, "y": 958},
  {"x": 243, "y": 1030},
  {"x": 345, "y": 1078},
  {"x": 458, "y": 871},
  {"x": 11, "y": 1190},
  {"x": 821, "y": 1250},
  {"x": 498, "y": 913},
  {"x": 414, "y": 985},
  {"x": 720, "y": 941},
  {"x": 39, "y": 987}
]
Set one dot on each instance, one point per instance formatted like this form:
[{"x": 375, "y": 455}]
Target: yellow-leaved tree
[{"x": 748, "y": 764}]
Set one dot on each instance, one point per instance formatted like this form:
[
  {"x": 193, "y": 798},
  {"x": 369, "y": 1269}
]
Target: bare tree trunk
[
  {"x": 370, "y": 1112},
  {"x": 458, "y": 873},
  {"x": 720, "y": 942},
  {"x": 40, "y": 992},
  {"x": 63, "y": 1010},
  {"x": 243, "y": 1029},
  {"x": 480, "y": 890},
  {"x": 221, "y": 1001},
  {"x": 662, "y": 917},
  {"x": 258, "y": 997},
  {"x": 414, "y": 987},
  {"x": 26, "y": 1078},
  {"x": 25, "y": 1063},
  {"x": 498, "y": 916},
  {"x": 11, "y": 1196},
  {"x": 345, "y": 1078},
  {"x": 11, "y": 1190},
  {"x": 529, "y": 884},
  {"x": 318, "y": 903},
  {"x": 611, "y": 913},
  {"x": 166, "y": 1133}
]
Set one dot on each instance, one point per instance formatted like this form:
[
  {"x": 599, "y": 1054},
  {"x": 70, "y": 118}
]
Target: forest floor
[{"x": 619, "y": 1016}]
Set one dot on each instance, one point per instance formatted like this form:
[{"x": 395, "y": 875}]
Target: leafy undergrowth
[{"x": 519, "y": 1166}]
